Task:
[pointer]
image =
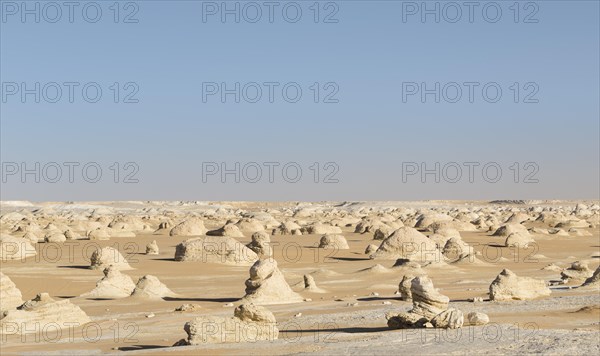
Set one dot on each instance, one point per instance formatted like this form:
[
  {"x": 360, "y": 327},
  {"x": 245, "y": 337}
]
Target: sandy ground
[{"x": 348, "y": 319}]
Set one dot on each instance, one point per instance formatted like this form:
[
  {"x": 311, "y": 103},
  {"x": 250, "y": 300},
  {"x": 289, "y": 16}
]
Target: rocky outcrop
[
  {"x": 189, "y": 227},
  {"x": 152, "y": 248},
  {"x": 250, "y": 323},
  {"x": 114, "y": 284},
  {"x": 108, "y": 256},
  {"x": 261, "y": 244},
  {"x": 214, "y": 249},
  {"x": 509, "y": 286},
  {"x": 41, "y": 312},
  {"x": 151, "y": 288},
  {"x": 336, "y": 242},
  {"x": 267, "y": 285},
  {"x": 10, "y": 295},
  {"x": 15, "y": 248},
  {"x": 408, "y": 243},
  {"x": 578, "y": 271}
]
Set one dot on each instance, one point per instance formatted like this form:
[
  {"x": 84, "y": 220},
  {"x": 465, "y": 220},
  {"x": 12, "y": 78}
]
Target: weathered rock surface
[
  {"x": 40, "y": 313},
  {"x": 250, "y": 323},
  {"x": 476, "y": 318},
  {"x": 150, "y": 287},
  {"x": 509, "y": 286},
  {"x": 267, "y": 285},
  {"x": 337, "y": 242},
  {"x": 152, "y": 248},
  {"x": 408, "y": 243},
  {"x": 261, "y": 244},
  {"x": 190, "y": 227},
  {"x": 15, "y": 248},
  {"x": 214, "y": 249},
  {"x": 427, "y": 301},
  {"x": 577, "y": 271},
  {"x": 10, "y": 295},
  {"x": 108, "y": 256},
  {"x": 114, "y": 284},
  {"x": 448, "y": 319}
]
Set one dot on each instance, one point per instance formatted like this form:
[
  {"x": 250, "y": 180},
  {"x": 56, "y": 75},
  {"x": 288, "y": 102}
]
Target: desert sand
[{"x": 188, "y": 278}]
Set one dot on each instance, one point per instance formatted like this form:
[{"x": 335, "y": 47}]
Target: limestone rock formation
[
  {"x": 337, "y": 242},
  {"x": 323, "y": 229},
  {"x": 267, "y": 285},
  {"x": 228, "y": 230},
  {"x": 152, "y": 248},
  {"x": 108, "y": 256},
  {"x": 506, "y": 230},
  {"x": 261, "y": 244},
  {"x": 408, "y": 243},
  {"x": 250, "y": 323},
  {"x": 509, "y": 286},
  {"x": 310, "y": 285},
  {"x": 404, "y": 287},
  {"x": 594, "y": 280},
  {"x": 427, "y": 301},
  {"x": 114, "y": 284},
  {"x": 15, "y": 248},
  {"x": 99, "y": 234},
  {"x": 214, "y": 249},
  {"x": 10, "y": 295},
  {"x": 456, "y": 249},
  {"x": 577, "y": 271},
  {"x": 55, "y": 237},
  {"x": 476, "y": 318},
  {"x": 250, "y": 224},
  {"x": 448, "y": 319},
  {"x": 518, "y": 239},
  {"x": 150, "y": 287},
  {"x": 383, "y": 232},
  {"x": 190, "y": 227},
  {"x": 42, "y": 312},
  {"x": 370, "y": 249}
]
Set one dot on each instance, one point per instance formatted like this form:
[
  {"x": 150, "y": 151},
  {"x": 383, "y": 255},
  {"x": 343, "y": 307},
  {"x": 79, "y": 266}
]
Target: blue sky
[{"x": 367, "y": 54}]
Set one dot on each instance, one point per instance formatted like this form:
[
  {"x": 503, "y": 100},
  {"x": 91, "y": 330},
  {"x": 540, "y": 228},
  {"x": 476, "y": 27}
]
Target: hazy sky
[{"x": 371, "y": 60}]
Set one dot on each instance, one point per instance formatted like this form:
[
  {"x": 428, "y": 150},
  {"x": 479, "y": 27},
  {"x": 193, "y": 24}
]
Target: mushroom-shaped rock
[{"x": 427, "y": 301}]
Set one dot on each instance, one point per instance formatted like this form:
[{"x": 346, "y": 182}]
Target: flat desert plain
[{"x": 189, "y": 278}]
